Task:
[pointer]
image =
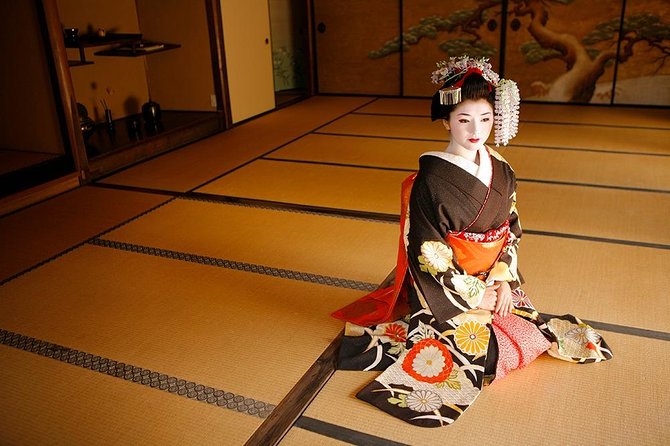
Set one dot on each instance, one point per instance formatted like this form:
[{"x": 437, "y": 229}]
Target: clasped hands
[{"x": 498, "y": 298}]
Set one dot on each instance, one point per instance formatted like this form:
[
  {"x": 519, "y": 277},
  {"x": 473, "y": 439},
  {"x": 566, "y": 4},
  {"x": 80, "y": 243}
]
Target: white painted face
[{"x": 470, "y": 125}]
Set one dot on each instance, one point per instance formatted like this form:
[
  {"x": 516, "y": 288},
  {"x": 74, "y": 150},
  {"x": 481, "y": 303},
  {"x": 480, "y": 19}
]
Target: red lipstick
[{"x": 473, "y": 140}]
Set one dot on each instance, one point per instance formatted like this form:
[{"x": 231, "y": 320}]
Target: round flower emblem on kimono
[
  {"x": 583, "y": 335},
  {"x": 424, "y": 401},
  {"x": 396, "y": 333},
  {"x": 437, "y": 256},
  {"x": 428, "y": 361},
  {"x": 472, "y": 338}
]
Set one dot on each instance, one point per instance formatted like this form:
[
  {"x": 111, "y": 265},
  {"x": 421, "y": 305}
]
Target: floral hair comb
[{"x": 451, "y": 74}]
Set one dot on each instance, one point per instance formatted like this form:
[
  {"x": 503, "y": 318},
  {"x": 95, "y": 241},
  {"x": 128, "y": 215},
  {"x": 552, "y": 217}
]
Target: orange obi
[{"x": 477, "y": 253}]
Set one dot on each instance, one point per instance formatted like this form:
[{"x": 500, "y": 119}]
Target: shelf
[
  {"x": 78, "y": 63},
  {"x": 103, "y": 142},
  {"x": 108, "y": 151},
  {"x": 88, "y": 41},
  {"x": 126, "y": 45},
  {"x": 138, "y": 49}
]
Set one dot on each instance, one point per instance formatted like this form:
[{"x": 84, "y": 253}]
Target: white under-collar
[{"x": 482, "y": 172}]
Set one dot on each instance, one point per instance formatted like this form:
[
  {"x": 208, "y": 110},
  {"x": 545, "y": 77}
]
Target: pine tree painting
[{"x": 584, "y": 59}]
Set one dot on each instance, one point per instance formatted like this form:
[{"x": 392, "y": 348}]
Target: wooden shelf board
[
  {"x": 78, "y": 63},
  {"x": 129, "y": 52},
  {"x": 110, "y": 39}
]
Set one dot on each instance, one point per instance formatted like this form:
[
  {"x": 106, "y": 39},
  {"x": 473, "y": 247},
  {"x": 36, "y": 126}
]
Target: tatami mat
[
  {"x": 326, "y": 245},
  {"x": 609, "y": 169},
  {"x": 530, "y": 134},
  {"x": 199, "y": 162},
  {"x": 255, "y": 335},
  {"x": 365, "y": 251},
  {"x": 36, "y": 233},
  {"x": 613, "y": 169},
  {"x": 355, "y": 150},
  {"x": 618, "y": 402},
  {"x": 546, "y": 207},
  {"x": 226, "y": 329},
  {"x": 47, "y": 402},
  {"x": 607, "y": 213},
  {"x": 597, "y": 281},
  {"x": 328, "y": 186},
  {"x": 538, "y": 112}
]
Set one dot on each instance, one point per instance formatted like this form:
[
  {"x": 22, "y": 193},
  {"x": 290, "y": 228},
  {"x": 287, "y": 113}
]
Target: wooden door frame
[
  {"x": 219, "y": 73},
  {"x": 66, "y": 104}
]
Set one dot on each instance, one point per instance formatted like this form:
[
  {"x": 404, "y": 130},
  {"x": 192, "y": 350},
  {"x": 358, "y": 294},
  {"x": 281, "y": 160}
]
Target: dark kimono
[{"x": 438, "y": 357}]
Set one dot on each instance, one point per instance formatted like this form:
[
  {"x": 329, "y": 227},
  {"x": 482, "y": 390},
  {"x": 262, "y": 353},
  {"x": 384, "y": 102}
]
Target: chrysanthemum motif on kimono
[
  {"x": 423, "y": 401},
  {"x": 428, "y": 361},
  {"x": 583, "y": 334},
  {"x": 395, "y": 332},
  {"x": 472, "y": 338},
  {"x": 436, "y": 257},
  {"x": 575, "y": 340}
]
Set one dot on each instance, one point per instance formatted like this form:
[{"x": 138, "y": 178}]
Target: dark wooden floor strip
[{"x": 298, "y": 398}]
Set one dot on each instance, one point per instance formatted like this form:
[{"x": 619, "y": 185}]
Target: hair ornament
[
  {"x": 506, "y": 120},
  {"x": 452, "y": 73}
]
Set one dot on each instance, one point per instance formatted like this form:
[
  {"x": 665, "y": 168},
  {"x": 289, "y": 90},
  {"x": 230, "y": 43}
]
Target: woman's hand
[
  {"x": 490, "y": 297},
  {"x": 504, "y": 304}
]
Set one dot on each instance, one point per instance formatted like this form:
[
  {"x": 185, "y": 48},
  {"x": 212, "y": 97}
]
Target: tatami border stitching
[
  {"x": 128, "y": 372},
  {"x": 240, "y": 266},
  {"x": 291, "y": 208},
  {"x": 318, "y": 279}
]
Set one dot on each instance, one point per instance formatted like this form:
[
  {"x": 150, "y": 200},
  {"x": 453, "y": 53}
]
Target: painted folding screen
[{"x": 580, "y": 51}]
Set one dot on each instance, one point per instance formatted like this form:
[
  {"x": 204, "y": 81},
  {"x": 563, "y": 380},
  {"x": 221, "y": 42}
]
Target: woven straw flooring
[{"x": 181, "y": 301}]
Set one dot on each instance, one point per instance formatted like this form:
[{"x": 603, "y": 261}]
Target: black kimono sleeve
[{"x": 445, "y": 287}]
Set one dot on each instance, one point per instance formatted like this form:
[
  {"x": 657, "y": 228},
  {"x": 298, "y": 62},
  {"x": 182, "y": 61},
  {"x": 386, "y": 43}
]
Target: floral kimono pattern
[{"x": 437, "y": 358}]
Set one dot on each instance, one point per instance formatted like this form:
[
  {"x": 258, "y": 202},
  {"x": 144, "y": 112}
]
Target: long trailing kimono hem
[{"x": 436, "y": 350}]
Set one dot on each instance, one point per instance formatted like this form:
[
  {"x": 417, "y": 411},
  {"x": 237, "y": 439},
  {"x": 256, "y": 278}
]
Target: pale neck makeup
[{"x": 470, "y": 125}]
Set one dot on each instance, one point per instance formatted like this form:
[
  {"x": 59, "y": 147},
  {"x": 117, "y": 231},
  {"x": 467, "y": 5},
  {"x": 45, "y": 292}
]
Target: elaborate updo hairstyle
[{"x": 474, "y": 87}]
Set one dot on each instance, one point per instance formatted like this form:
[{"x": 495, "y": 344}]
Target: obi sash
[{"x": 477, "y": 253}]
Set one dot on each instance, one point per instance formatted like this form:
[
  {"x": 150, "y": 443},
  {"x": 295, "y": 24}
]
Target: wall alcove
[{"x": 119, "y": 56}]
